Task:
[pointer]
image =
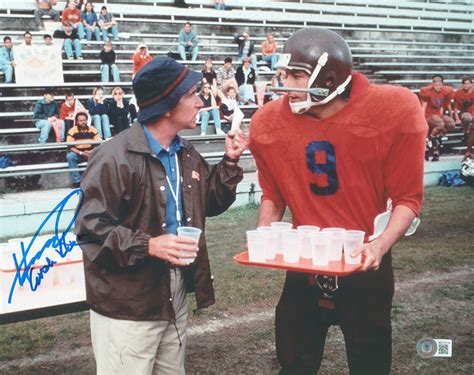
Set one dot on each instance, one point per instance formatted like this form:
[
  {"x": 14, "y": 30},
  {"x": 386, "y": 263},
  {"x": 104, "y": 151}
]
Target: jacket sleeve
[
  {"x": 101, "y": 235},
  {"x": 239, "y": 76},
  {"x": 181, "y": 39},
  {"x": 133, "y": 111},
  {"x": 3, "y": 57},
  {"x": 38, "y": 112},
  {"x": 250, "y": 49},
  {"x": 221, "y": 186}
]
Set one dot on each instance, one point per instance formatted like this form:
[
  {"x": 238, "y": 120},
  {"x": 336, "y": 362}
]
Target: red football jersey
[
  {"x": 464, "y": 101},
  {"x": 340, "y": 171},
  {"x": 436, "y": 100}
]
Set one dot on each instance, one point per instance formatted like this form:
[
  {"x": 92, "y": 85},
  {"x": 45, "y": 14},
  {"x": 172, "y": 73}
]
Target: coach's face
[
  {"x": 297, "y": 79},
  {"x": 183, "y": 115}
]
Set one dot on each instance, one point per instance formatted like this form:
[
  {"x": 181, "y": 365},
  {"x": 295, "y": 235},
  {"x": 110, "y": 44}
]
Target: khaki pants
[{"x": 142, "y": 347}]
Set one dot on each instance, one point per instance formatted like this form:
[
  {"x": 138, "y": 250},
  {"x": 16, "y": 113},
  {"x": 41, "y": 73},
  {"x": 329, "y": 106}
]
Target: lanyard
[{"x": 174, "y": 193}]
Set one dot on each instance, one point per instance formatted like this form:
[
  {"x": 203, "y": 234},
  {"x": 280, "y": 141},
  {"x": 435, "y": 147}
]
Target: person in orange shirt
[
  {"x": 464, "y": 112},
  {"x": 269, "y": 48},
  {"x": 73, "y": 15},
  {"x": 434, "y": 98},
  {"x": 140, "y": 58}
]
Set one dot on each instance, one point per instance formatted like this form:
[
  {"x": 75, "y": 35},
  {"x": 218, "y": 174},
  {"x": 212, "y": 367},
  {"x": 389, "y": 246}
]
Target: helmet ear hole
[{"x": 329, "y": 82}]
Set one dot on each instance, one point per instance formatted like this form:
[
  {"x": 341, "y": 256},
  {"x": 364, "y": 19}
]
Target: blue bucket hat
[{"x": 159, "y": 85}]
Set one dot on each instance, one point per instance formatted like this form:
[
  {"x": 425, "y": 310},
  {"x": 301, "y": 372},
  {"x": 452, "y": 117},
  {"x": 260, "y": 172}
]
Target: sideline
[{"x": 217, "y": 325}]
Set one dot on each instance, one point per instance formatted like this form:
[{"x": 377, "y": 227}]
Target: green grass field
[{"x": 434, "y": 297}]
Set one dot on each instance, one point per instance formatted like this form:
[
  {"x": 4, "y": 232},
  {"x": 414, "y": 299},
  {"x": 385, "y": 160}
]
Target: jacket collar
[{"x": 137, "y": 141}]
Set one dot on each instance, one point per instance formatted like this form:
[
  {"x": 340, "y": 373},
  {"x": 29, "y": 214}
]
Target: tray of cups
[{"x": 305, "y": 249}]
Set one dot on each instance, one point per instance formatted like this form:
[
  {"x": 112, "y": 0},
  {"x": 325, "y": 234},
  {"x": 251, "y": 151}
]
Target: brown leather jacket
[{"x": 124, "y": 206}]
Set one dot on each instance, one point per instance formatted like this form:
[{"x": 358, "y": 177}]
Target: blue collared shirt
[{"x": 168, "y": 159}]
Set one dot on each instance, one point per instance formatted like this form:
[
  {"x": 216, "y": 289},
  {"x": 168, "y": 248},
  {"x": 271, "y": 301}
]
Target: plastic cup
[
  {"x": 353, "y": 239},
  {"x": 320, "y": 245},
  {"x": 280, "y": 227},
  {"x": 256, "y": 241},
  {"x": 305, "y": 238},
  {"x": 270, "y": 243},
  {"x": 192, "y": 232},
  {"x": 337, "y": 241},
  {"x": 291, "y": 246}
]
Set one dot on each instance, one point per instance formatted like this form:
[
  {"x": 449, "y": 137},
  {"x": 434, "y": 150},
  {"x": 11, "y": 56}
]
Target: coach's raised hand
[{"x": 235, "y": 145}]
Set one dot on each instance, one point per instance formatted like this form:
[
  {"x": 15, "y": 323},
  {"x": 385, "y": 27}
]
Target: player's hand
[
  {"x": 235, "y": 143},
  {"x": 173, "y": 249},
  {"x": 373, "y": 253}
]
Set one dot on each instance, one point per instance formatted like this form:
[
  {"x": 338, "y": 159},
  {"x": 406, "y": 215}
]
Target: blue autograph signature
[{"x": 24, "y": 267}]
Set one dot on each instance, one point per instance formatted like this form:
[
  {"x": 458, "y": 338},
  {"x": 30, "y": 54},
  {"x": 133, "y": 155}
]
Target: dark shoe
[
  {"x": 75, "y": 185},
  {"x": 435, "y": 157}
]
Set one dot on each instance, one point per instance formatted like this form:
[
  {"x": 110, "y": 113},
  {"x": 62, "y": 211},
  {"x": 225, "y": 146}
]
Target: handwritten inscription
[{"x": 24, "y": 263}]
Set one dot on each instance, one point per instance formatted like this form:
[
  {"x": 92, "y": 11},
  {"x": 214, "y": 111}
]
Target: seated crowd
[{"x": 222, "y": 90}]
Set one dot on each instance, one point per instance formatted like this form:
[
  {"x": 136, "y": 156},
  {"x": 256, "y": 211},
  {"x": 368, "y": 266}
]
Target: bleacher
[{"x": 402, "y": 43}]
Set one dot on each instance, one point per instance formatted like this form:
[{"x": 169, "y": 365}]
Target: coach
[{"x": 139, "y": 187}]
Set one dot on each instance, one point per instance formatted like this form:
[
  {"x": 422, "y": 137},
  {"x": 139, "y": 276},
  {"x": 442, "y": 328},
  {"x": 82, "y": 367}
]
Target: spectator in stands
[
  {"x": 209, "y": 75},
  {"x": 229, "y": 103},
  {"x": 433, "y": 99},
  {"x": 188, "y": 42},
  {"x": 68, "y": 110},
  {"x": 219, "y": 4},
  {"x": 98, "y": 110},
  {"x": 27, "y": 39},
  {"x": 210, "y": 108},
  {"x": 464, "y": 112},
  {"x": 245, "y": 77},
  {"x": 269, "y": 48},
  {"x": 226, "y": 76},
  {"x": 72, "y": 44},
  {"x": 121, "y": 112},
  {"x": 108, "y": 24},
  {"x": 45, "y": 8},
  {"x": 90, "y": 22},
  {"x": 107, "y": 58},
  {"x": 7, "y": 62},
  {"x": 80, "y": 153},
  {"x": 46, "y": 113},
  {"x": 48, "y": 40},
  {"x": 278, "y": 80},
  {"x": 140, "y": 58},
  {"x": 72, "y": 15},
  {"x": 246, "y": 48}
]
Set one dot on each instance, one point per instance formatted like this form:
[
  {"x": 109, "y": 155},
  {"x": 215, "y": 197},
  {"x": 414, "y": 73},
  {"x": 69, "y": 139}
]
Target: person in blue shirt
[
  {"x": 90, "y": 21},
  {"x": 98, "y": 110},
  {"x": 46, "y": 116},
  {"x": 188, "y": 42},
  {"x": 7, "y": 63}
]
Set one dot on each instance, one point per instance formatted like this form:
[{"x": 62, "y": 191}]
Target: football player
[
  {"x": 434, "y": 99},
  {"x": 332, "y": 150},
  {"x": 464, "y": 112}
]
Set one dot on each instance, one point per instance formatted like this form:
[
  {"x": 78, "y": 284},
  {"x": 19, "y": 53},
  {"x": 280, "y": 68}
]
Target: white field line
[{"x": 217, "y": 325}]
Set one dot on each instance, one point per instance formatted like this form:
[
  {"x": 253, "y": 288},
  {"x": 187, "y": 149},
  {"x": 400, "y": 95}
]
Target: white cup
[
  {"x": 280, "y": 227},
  {"x": 192, "y": 232},
  {"x": 320, "y": 245},
  {"x": 271, "y": 242},
  {"x": 291, "y": 246},
  {"x": 305, "y": 238},
  {"x": 337, "y": 241},
  {"x": 353, "y": 239},
  {"x": 256, "y": 241}
]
